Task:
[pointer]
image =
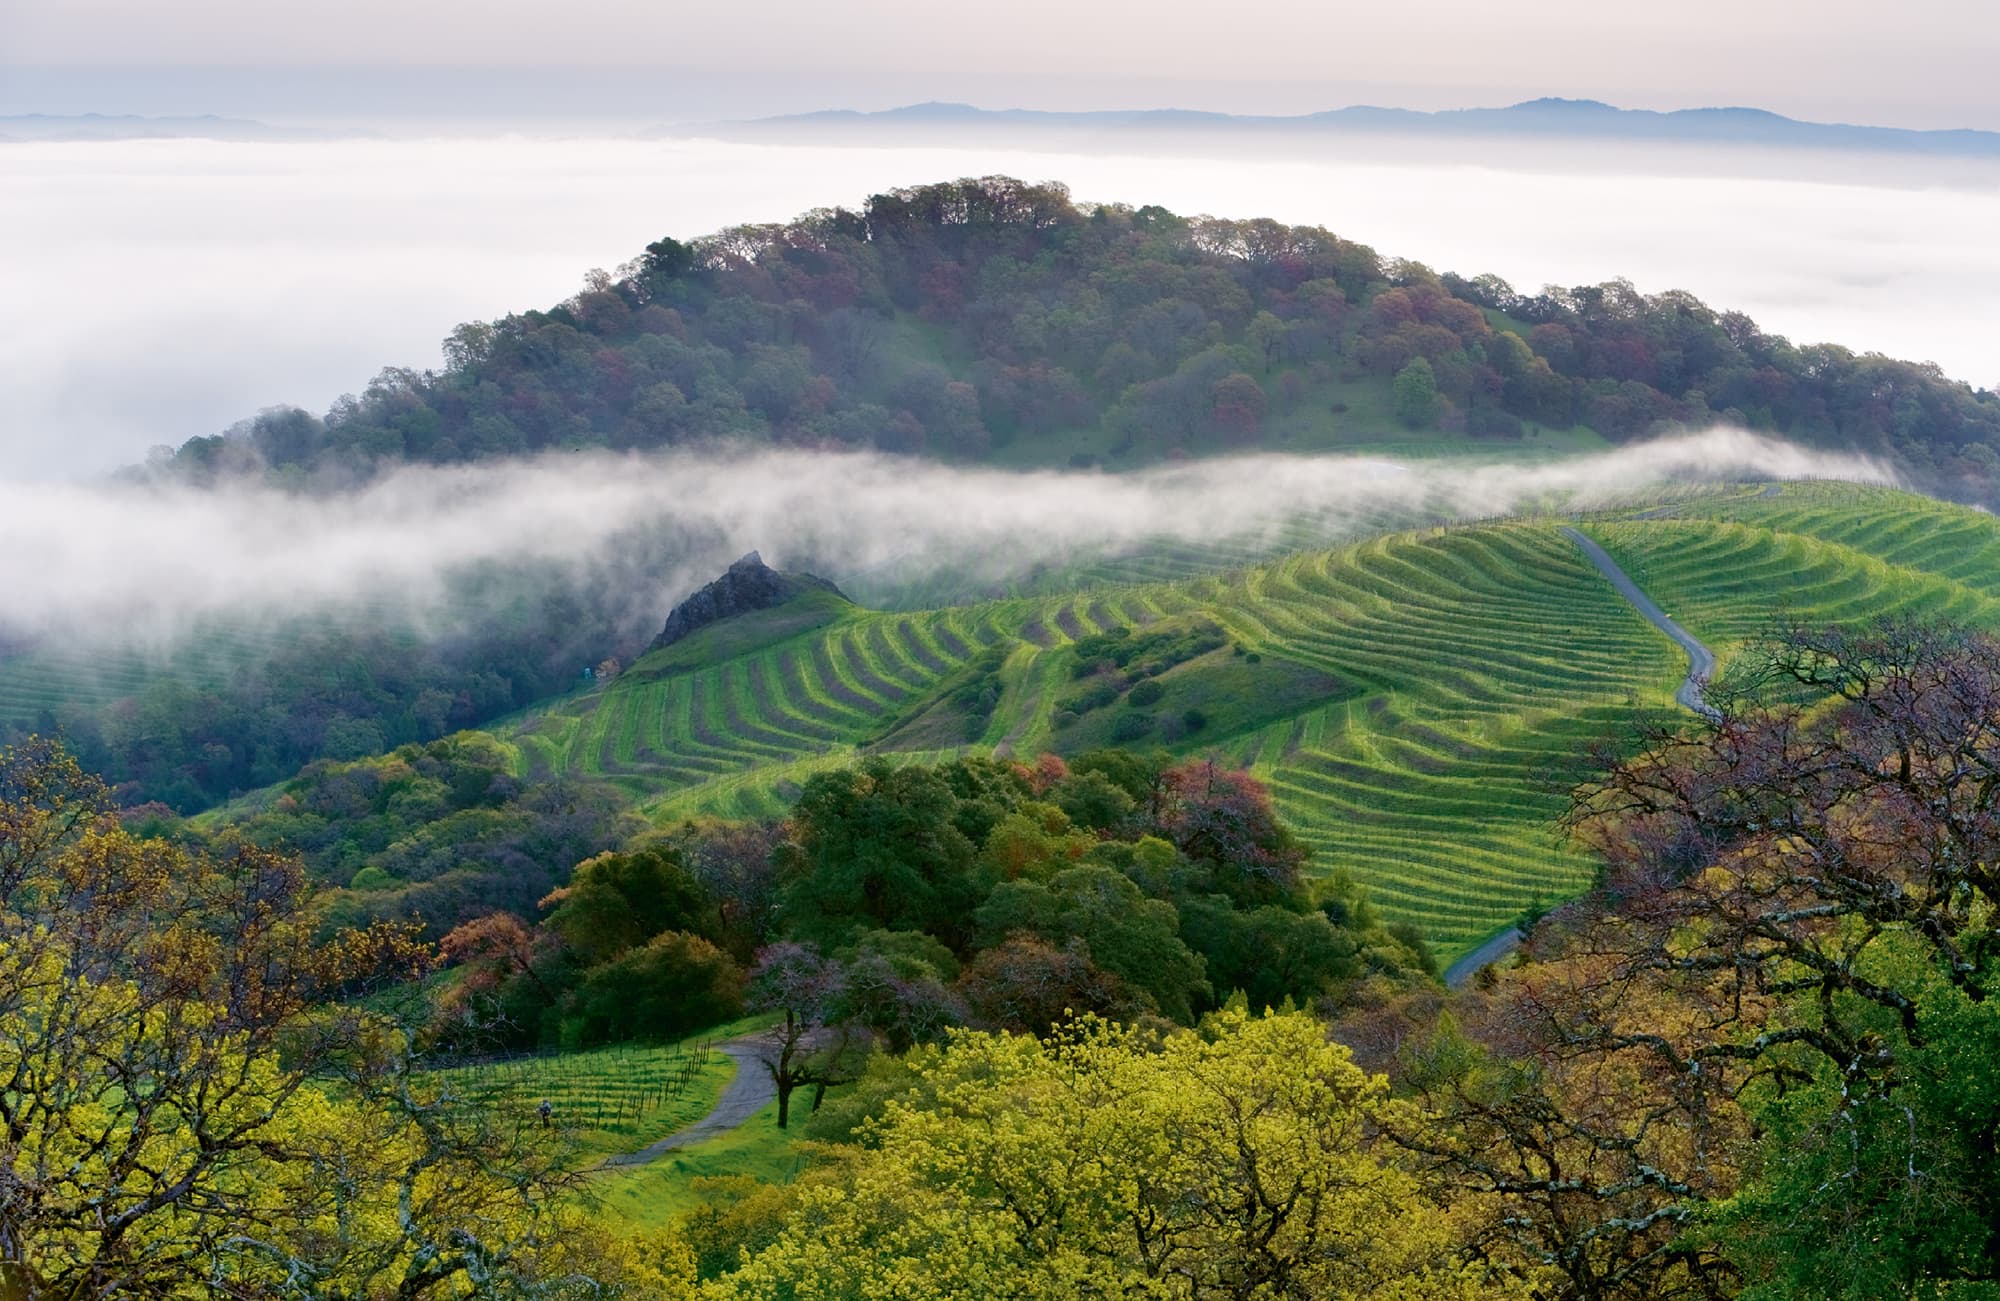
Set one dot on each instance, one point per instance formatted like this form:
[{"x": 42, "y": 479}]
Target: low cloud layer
[{"x": 119, "y": 563}]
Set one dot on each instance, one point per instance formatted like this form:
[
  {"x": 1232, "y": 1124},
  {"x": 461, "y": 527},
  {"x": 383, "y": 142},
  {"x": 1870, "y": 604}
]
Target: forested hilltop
[{"x": 995, "y": 320}]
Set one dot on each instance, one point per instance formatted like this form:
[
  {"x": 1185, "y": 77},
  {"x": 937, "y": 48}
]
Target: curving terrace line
[{"x": 1701, "y": 665}]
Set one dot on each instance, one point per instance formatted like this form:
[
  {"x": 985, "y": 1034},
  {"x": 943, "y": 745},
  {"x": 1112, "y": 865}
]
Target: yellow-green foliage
[
  {"x": 1239, "y": 1160},
  {"x": 185, "y": 1116}
]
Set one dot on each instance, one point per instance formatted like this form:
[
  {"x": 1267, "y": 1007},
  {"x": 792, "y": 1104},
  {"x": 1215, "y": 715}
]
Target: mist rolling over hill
[
  {"x": 471, "y": 592},
  {"x": 148, "y": 563}
]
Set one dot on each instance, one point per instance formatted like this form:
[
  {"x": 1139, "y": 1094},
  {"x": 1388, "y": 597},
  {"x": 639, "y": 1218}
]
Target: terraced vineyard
[
  {"x": 49, "y": 679},
  {"x": 1822, "y": 553},
  {"x": 1419, "y": 702},
  {"x": 1460, "y": 674},
  {"x": 56, "y": 676}
]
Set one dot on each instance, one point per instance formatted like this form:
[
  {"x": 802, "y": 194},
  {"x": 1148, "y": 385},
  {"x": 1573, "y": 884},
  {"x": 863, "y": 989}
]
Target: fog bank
[{"x": 112, "y": 563}]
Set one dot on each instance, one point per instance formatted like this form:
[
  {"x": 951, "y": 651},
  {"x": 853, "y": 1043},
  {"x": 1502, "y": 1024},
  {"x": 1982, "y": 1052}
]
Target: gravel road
[{"x": 749, "y": 1093}]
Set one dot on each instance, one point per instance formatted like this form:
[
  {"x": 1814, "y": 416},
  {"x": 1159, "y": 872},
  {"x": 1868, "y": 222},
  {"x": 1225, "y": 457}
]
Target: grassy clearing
[
  {"x": 654, "y": 1194},
  {"x": 1207, "y": 701}
]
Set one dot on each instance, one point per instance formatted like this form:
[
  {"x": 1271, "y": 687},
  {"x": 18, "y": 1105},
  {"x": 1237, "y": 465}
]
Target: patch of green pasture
[{"x": 655, "y": 1194}]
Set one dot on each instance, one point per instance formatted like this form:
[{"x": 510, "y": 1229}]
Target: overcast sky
[{"x": 1916, "y": 63}]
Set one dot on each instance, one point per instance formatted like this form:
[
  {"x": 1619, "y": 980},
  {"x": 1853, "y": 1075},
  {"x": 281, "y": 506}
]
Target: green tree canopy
[
  {"x": 617, "y": 901},
  {"x": 877, "y": 846},
  {"x": 1415, "y": 392}
]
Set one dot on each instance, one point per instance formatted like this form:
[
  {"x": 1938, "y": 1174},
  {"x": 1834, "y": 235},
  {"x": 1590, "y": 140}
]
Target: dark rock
[{"x": 747, "y": 585}]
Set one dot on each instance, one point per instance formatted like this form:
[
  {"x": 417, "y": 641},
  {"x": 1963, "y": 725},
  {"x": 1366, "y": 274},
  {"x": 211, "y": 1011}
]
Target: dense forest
[
  {"x": 444, "y": 832},
  {"x": 1000, "y": 894},
  {"x": 991, "y": 318}
]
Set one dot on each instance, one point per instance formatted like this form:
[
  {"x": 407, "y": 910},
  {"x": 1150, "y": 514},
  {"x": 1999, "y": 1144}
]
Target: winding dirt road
[
  {"x": 1701, "y": 665},
  {"x": 748, "y": 1093},
  {"x": 1701, "y": 660},
  {"x": 1486, "y": 954}
]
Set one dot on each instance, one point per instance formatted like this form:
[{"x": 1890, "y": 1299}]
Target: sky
[{"x": 1925, "y": 63}]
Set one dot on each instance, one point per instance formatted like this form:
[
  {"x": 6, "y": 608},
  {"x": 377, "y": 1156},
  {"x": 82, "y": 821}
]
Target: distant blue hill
[{"x": 1572, "y": 119}]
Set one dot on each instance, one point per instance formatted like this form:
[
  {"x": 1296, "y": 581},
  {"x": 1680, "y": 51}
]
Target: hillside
[
  {"x": 978, "y": 322},
  {"x": 1419, "y": 703},
  {"x": 1419, "y": 706}
]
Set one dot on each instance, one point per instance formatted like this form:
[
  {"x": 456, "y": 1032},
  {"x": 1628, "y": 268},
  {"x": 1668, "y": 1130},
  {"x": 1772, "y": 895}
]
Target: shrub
[
  {"x": 1095, "y": 695},
  {"x": 675, "y": 984},
  {"x": 1146, "y": 693},
  {"x": 373, "y": 878},
  {"x": 1130, "y": 727},
  {"x": 1194, "y": 720}
]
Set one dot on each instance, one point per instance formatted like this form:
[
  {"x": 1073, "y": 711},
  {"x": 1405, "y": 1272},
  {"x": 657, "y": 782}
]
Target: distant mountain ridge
[{"x": 1549, "y": 118}]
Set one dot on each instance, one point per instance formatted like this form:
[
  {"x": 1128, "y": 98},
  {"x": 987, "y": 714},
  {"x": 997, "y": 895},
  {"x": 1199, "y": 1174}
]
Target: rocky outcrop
[{"x": 747, "y": 585}]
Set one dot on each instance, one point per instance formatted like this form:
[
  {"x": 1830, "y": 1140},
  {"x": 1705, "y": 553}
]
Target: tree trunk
[{"x": 785, "y": 1087}]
